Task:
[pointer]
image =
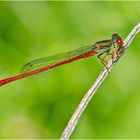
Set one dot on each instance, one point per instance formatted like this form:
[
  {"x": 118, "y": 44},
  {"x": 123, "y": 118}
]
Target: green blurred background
[{"x": 41, "y": 107}]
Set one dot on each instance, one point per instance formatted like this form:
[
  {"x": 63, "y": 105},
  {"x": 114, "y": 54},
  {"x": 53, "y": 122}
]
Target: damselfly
[{"x": 101, "y": 48}]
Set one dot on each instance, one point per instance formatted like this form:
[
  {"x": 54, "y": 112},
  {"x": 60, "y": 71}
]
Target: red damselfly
[{"x": 102, "y": 48}]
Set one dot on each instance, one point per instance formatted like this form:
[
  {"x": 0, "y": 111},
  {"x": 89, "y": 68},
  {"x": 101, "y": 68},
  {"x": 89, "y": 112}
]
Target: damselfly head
[{"x": 117, "y": 39}]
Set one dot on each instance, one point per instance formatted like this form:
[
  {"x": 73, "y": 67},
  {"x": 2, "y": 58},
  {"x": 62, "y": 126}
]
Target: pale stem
[{"x": 88, "y": 96}]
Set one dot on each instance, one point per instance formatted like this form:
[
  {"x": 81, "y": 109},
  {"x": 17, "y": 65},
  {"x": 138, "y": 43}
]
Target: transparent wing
[{"x": 45, "y": 61}]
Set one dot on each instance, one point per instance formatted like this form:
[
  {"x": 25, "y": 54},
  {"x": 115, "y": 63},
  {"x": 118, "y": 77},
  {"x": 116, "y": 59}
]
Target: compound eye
[
  {"x": 119, "y": 42},
  {"x": 114, "y": 36}
]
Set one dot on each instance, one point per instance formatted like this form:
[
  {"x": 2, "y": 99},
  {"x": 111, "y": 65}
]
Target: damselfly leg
[{"x": 103, "y": 55}]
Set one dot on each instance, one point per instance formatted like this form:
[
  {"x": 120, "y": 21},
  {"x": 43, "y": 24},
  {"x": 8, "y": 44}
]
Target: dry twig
[{"x": 88, "y": 96}]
